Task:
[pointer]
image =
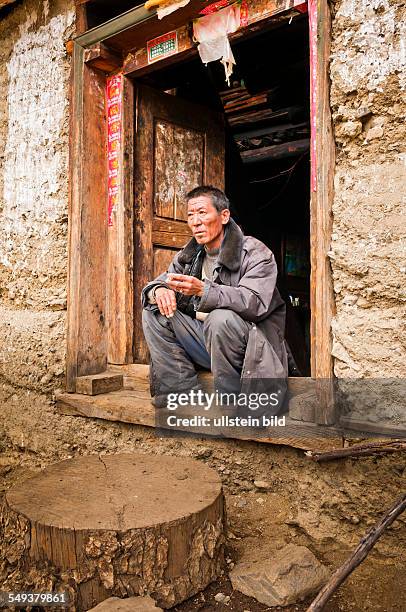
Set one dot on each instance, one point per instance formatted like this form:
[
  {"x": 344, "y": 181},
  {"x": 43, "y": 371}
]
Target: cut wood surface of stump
[{"x": 116, "y": 525}]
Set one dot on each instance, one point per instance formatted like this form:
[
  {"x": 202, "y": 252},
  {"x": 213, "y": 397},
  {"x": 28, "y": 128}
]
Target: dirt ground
[{"x": 326, "y": 507}]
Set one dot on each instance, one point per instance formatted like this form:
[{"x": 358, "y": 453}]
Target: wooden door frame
[{"x": 100, "y": 266}]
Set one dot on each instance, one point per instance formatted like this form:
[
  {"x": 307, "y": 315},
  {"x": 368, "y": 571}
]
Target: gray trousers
[{"x": 179, "y": 343}]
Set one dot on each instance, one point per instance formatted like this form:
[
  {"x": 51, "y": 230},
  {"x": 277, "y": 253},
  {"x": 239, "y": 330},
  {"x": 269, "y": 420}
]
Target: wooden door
[{"x": 178, "y": 146}]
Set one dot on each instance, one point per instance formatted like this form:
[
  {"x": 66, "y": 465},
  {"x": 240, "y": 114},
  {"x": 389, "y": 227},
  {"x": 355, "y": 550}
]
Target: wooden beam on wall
[
  {"x": 323, "y": 163},
  {"x": 86, "y": 320},
  {"x": 99, "y": 56}
]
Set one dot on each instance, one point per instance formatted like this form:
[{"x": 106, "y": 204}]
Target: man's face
[{"x": 205, "y": 222}]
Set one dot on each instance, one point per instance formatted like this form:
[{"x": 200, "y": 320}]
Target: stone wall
[
  {"x": 368, "y": 246},
  {"x": 34, "y": 73}
]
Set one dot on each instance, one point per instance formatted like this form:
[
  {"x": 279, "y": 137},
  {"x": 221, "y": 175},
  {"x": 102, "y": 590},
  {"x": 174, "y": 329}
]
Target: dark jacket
[{"x": 245, "y": 282}]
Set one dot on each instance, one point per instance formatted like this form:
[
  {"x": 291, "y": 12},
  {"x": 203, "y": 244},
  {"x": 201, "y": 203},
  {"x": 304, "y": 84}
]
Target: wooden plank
[
  {"x": 101, "y": 57},
  {"x": 136, "y": 376},
  {"x": 120, "y": 289},
  {"x": 124, "y": 406},
  {"x": 99, "y": 383},
  {"x": 135, "y": 407},
  {"x": 323, "y": 158},
  {"x": 285, "y": 114},
  {"x": 170, "y": 225},
  {"x": 356, "y": 425},
  {"x": 265, "y": 131},
  {"x": 86, "y": 326},
  {"x": 280, "y": 151},
  {"x": 170, "y": 239}
]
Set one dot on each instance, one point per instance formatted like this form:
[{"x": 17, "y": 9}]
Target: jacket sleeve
[
  {"x": 252, "y": 298},
  {"x": 160, "y": 281}
]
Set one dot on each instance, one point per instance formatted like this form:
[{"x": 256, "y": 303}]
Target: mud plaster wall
[
  {"x": 368, "y": 241},
  {"x": 34, "y": 72}
]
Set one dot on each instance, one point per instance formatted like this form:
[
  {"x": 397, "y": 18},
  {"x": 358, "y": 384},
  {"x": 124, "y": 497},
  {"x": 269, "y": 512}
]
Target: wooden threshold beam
[{"x": 134, "y": 407}]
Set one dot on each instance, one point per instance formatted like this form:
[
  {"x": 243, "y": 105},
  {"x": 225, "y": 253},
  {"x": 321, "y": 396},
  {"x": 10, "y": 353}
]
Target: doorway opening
[{"x": 266, "y": 156}]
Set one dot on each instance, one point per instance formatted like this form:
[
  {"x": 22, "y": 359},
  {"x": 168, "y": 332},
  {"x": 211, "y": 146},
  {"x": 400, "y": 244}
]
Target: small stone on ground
[
  {"x": 222, "y": 598},
  {"x": 263, "y": 485},
  {"x": 290, "y": 576},
  {"x": 129, "y": 604}
]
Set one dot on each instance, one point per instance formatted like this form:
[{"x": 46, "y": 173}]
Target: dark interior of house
[{"x": 266, "y": 111}]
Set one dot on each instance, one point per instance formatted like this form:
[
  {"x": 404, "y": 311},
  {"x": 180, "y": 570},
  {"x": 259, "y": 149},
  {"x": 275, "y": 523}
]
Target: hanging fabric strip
[{"x": 212, "y": 32}]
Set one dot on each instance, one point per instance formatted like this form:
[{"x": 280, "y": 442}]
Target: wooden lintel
[
  {"x": 139, "y": 58},
  {"x": 262, "y": 12},
  {"x": 99, "y": 56}
]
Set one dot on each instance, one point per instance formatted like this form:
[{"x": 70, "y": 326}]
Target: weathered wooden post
[{"x": 118, "y": 525}]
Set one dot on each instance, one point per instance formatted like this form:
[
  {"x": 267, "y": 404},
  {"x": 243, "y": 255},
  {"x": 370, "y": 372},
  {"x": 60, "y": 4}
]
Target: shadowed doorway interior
[{"x": 253, "y": 139}]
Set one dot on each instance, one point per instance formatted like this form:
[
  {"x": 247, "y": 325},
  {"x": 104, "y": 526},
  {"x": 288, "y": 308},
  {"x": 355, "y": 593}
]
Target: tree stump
[{"x": 117, "y": 525}]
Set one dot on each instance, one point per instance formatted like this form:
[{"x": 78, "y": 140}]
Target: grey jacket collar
[{"x": 230, "y": 249}]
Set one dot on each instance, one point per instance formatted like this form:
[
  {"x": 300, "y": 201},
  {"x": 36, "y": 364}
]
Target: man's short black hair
[{"x": 219, "y": 199}]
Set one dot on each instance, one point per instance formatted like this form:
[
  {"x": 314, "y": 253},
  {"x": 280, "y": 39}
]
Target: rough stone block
[{"x": 290, "y": 576}]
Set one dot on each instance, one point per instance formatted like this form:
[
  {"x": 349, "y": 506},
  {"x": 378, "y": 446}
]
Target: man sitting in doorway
[{"x": 217, "y": 307}]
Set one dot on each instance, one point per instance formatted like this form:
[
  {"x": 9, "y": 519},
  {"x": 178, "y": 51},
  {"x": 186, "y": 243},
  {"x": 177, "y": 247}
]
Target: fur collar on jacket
[{"x": 230, "y": 249}]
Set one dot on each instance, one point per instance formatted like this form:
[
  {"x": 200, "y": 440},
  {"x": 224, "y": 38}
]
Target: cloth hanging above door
[{"x": 211, "y": 32}]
